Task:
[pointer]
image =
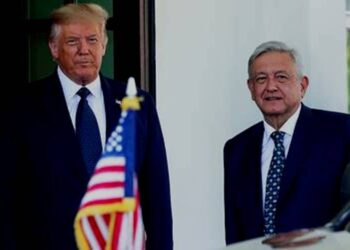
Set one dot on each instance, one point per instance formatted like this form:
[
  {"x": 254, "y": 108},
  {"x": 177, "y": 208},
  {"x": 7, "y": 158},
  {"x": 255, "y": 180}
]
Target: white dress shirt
[
  {"x": 268, "y": 146},
  {"x": 95, "y": 101}
]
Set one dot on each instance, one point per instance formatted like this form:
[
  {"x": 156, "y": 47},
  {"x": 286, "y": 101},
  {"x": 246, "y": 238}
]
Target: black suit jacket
[
  {"x": 310, "y": 186},
  {"x": 43, "y": 178}
]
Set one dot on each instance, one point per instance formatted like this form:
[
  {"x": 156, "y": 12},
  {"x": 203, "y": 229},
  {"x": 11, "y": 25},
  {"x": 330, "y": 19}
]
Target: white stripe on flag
[
  {"x": 103, "y": 227},
  {"x": 107, "y": 177},
  {"x": 130, "y": 220},
  {"x": 122, "y": 233},
  {"x": 89, "y": 233},
  {"x": 138, "y": 243},
  {"x": 111, "y": 161},
  {"x": 103, "y": 194},
  {"x": 125, "y": 237}
]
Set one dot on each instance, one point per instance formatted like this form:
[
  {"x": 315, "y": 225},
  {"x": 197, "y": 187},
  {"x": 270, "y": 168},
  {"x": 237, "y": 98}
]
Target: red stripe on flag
[
  {"x": 135, "y": 222},
  {"x": 97, "y": 233},
  {"x": 106, "y": 218},
  {"x": 116, "y": 232},
  {"x": 111, "y": 168},
  {"x": 106, "y": 185}
]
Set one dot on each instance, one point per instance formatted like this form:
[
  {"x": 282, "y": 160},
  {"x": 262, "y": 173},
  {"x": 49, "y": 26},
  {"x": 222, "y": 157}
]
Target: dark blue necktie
[
  {"x": 273, "y": 180},
  {"x": 87, "y": 132}
]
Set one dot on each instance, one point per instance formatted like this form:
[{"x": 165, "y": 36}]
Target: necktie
[
  {"x": 273, "y": 180},
  {"x": 87, "y": 132}
]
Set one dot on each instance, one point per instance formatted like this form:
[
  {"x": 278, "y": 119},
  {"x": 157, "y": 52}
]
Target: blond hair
[{"x": 78, "y": 12}]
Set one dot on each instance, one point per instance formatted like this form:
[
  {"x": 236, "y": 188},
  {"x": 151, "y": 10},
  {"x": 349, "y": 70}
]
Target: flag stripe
[
  {"x": 107, "y": 185},
  {"x": 112, "y": 168},
  {"x": 139, "y": 235},
  {"x": 107, "y": 177},
  {"x": 116, "y": 231},
  {"x": 123, "y": 237},
  {"x": 100, "y": 241},
  {"x": 102, "y": 225},
  {"x": 110, "y": 193},
  {"x": 109, "y": 160},
  {"x": 89, "y": 234}
]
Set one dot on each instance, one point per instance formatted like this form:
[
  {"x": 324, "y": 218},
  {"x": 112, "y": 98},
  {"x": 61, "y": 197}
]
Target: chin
[
  {"x": 273, "y": 108},
  {"x": 87, "y": 76},
  {"x": 273, "y": 111}
]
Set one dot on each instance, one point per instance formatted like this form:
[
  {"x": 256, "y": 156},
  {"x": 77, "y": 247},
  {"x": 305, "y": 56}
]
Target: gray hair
[
  {"x": 77, "y": 12},
  {"x": 276, "y": 46}
]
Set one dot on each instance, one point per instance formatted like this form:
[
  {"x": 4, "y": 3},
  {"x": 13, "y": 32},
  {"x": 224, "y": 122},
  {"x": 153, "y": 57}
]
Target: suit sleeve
[
  {"x": 232, "y": 232},
  {"x": 154, "y": 182},
  {"x": 7, "y": 187}
]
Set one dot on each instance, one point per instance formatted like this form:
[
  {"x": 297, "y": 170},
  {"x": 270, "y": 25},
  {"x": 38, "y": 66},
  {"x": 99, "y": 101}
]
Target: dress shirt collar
[
  {"x": 70, "y": 88},
  {"x": 288, "y": 127}
]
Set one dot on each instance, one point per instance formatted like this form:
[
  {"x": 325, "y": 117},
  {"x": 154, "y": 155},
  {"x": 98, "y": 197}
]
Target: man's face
[
  {"x": 275, "y": 86},
  {"x": 78, "y": 49}
]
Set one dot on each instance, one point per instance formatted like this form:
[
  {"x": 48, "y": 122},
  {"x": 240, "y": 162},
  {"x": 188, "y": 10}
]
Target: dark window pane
[
  {"x": 107, "y": 4},
  {"x": 107, "y": 67},
  {"x": 40, "y": 60},
  {"x": 42, "y": 9}
]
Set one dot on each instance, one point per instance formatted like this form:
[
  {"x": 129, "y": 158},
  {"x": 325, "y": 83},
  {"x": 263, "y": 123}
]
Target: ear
[
  {"x": 53, "y": 49},
  {"x": 304, "y": 84},
  {"x": 104, "y": 45},
  {"x": 250, "y": 84}
]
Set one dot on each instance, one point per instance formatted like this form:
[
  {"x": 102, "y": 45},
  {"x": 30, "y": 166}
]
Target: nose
[
  {"x": 83, "y": 47},
  {"x": 271, "y": 83}
]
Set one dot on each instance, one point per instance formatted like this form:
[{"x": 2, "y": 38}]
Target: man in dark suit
[
  {"x": 308, "y": 150},
  {"x": 43, "y": 176}
]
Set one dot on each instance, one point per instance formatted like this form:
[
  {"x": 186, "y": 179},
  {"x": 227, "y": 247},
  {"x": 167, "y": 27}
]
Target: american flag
[{"x": 109, "y": 217}]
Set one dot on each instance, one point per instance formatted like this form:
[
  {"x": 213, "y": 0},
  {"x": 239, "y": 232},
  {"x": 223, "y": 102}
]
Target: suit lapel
[
  {"x": 299, "y": 147},
  {"x": 56, "y": 107},
  {"x": 112, "y": 105},
  {"x": 253, "y": 184},
  {"x": 63, "y": 133}
]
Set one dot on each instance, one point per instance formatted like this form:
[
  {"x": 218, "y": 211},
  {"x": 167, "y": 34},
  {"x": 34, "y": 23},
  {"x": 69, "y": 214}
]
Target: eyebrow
[
  {"x": 264, "y": 73},
  {"x": 78, "y": 37}
]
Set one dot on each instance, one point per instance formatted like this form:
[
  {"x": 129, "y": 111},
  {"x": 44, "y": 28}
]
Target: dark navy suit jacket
[
  {"x": 310, "y": 186},
  {"x": 43, "y": 179}
]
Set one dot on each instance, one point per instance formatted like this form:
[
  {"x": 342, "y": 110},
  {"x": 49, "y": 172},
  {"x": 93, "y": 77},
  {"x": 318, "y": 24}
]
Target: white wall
[{"x": 202, "y": 49}]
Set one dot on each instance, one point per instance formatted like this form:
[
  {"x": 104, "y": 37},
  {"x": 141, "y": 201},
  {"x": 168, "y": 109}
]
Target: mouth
[
  {"x": 84, "y": 62},
  {"x": 272, "y": 98}
]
